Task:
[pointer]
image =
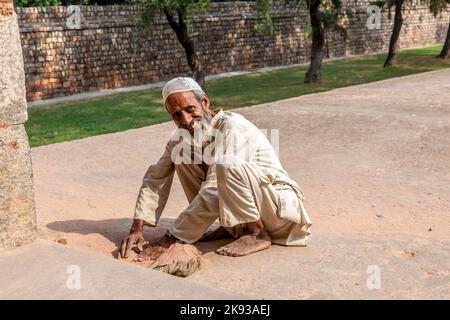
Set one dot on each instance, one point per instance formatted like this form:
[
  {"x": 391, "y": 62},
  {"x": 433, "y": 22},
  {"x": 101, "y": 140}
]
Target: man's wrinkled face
[{"x": 186, "y": 111}]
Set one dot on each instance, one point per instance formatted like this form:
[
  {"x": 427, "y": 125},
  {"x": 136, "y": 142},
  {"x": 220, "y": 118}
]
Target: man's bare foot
[
  {"x": 219, "y": 233},
  {"x": 246, "y": 244},
  {"x": 156, "y": 248}
]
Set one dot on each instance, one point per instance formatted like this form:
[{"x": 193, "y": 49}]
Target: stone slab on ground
[
  {"x": 336, "y": 267},
  {"x": 45, "y": 270},
  {"x": 332, "y": 267}
]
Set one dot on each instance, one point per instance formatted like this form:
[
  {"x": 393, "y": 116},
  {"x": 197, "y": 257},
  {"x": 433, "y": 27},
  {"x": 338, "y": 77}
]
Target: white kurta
[{"x": 242, "y": 181}]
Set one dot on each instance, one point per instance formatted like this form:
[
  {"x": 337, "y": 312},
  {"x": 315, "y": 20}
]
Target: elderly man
[{"x": 228, "y": 171}]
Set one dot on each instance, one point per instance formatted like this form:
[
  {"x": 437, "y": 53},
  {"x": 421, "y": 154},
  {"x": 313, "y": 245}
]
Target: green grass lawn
[{"x": 120, "y": 112}]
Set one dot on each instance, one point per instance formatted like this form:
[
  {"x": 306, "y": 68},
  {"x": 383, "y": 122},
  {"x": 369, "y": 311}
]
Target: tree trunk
[
  {"x": 314, "y": 74},
  {"x": 181, "y": 30},
  {"x": 445, "y": 53},
  {"x": 391, "y": 59}
]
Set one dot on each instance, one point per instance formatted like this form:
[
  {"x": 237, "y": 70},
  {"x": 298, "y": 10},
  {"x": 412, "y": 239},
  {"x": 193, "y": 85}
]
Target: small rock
[
  {"x": 379, "y": 215},
  {"x": 62, "y": 241},
  {"x": 430, "y": 229},
  {"x": 408, "y": 254}
]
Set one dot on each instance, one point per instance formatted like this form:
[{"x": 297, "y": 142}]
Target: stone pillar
[{"x": 17, "y": 209}]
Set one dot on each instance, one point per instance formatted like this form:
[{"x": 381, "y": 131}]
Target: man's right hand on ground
[{"x": 135, "y": 238}]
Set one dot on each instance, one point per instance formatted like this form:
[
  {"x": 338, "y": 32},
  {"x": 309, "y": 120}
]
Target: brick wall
[{"x": 110, "y": 51}]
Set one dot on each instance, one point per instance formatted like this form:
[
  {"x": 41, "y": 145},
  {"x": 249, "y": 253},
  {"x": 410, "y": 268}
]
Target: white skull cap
[{"x": 180, "y": 84}]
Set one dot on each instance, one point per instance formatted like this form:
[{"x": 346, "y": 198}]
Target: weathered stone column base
[{"x": 17, "y": 211}]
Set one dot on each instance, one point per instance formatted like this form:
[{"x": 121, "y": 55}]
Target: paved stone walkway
[{"x": 373, "y": 160}]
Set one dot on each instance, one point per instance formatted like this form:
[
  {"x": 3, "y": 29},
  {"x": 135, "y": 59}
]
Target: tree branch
[{"x": 171, "y": 20}]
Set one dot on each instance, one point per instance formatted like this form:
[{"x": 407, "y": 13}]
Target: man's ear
[{"x": 205, "y": 103}]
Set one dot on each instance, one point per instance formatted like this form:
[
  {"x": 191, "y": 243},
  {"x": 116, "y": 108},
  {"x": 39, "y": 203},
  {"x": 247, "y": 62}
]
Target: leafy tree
[
  {"x": 324, "y": 16},
  {"x": 437, "y": 7},
  {"x": 391, "y": 59},
  {"x": 177, "y": 13},
  {"x": 263, "y": 9}
]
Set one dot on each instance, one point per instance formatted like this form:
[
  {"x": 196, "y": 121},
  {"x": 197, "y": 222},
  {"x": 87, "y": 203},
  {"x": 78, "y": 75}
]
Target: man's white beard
[
  {"x": 202, "y": 132},
  {"x": 206, "y": 123},
  {"x": 203, "y": 125}
]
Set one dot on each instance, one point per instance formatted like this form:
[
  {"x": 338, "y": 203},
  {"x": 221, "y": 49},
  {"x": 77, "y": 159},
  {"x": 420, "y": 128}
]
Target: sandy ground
[{"x": 373, "y": 161}]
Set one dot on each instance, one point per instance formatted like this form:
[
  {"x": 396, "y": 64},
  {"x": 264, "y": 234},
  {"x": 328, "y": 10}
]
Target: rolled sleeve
[{"x": 155, "y": 189}]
